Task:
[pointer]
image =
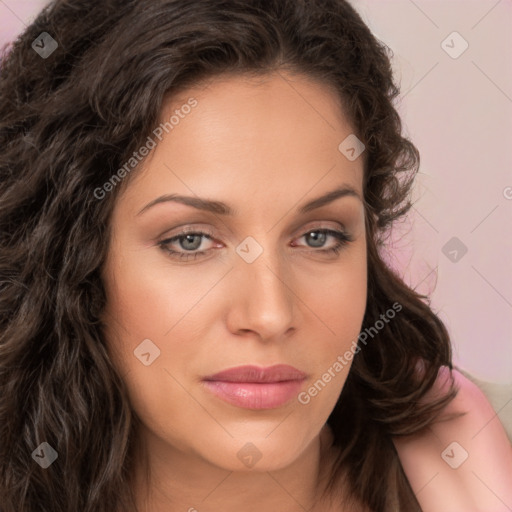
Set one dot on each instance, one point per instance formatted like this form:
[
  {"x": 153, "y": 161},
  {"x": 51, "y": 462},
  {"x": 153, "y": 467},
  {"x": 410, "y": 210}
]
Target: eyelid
[
  {"x": 191, "y": 229},
  {"x": 184, "y": 230},
  {"x": 321, "y": 224}
]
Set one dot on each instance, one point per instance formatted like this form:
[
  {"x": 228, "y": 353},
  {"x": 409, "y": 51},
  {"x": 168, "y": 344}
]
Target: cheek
[
  {"x": 144, "y": 305},
  {"x": 337, "y": 297},
  {"x": 138, "y": 309},
  {"x": 337, "y": 309},
  {"x": 145, "y": 299}
]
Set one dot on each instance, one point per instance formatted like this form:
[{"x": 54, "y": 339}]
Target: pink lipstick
[{"x": 253, "y": 387}]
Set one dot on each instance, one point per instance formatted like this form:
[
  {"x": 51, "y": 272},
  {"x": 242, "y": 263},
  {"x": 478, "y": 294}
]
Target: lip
[{"x": 254, "y": 387}]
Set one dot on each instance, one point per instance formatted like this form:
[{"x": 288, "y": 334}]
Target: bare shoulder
[{"x": 461, "y": 463}]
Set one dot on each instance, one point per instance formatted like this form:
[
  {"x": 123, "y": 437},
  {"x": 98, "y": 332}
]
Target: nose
[{"x": 263, "y": 298}]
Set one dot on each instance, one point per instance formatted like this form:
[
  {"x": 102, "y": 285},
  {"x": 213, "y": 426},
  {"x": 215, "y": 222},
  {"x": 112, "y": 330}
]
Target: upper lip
[{"x": 251, "y": 373}]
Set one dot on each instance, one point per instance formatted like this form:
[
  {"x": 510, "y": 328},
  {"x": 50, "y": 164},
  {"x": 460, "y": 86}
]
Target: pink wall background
[
  {"x": 15, "y": 15},
  {"x": 457, "y": 108}
]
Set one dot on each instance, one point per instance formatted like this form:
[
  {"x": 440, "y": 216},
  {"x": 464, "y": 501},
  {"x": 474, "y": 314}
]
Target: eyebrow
[{"x": 221, "y": 208}]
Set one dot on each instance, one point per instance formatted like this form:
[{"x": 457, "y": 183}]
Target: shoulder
[{"x": 460, "y": 463}]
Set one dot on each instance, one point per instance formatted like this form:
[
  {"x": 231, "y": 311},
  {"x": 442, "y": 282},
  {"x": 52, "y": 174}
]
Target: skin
[
  {"x": 476, "y": 473},
  {"x": 264, "y": 147}
]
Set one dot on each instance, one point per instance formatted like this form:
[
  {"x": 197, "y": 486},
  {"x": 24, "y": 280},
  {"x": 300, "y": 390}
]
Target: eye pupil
[
  {"x": 318, "y": 236},
  {"x": 188, "y": 239}
]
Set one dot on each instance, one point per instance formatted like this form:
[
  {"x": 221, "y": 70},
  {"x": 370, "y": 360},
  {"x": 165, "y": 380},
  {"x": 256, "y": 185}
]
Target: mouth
[{"x": 252, "y": 387}]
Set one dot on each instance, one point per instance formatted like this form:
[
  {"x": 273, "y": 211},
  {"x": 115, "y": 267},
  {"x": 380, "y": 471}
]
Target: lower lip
[{"x": 253, "y": 395}]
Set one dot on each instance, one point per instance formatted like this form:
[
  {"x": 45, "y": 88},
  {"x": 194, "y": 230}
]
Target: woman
[{"x": 276, "y": 363}]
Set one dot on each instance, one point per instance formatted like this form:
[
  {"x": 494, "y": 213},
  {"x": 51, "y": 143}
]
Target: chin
[{"x": 261, "y": 454}]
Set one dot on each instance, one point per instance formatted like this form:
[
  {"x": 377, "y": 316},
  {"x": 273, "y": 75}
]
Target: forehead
[
  {"x": 280, "y": 84},
  {"x": 252, "y": 132},
  {"x": 264, "y": 101}
]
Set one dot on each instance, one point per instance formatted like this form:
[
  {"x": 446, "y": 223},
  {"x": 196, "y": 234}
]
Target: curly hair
[{"x": 67, "y": 122}]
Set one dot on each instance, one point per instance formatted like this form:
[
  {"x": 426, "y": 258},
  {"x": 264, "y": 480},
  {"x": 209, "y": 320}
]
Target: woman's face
[{"x": 262, "y": 285}]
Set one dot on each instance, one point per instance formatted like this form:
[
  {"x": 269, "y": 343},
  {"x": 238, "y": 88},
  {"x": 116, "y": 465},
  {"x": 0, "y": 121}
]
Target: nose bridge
[{"x": 264, "y": 291}]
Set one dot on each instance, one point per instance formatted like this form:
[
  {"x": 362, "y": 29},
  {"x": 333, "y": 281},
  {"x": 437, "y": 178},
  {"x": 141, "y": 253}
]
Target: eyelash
[{"x": 342, "y": 240}]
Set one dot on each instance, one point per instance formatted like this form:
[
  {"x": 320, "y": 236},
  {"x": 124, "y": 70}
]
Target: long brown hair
[{"x": 68, "y": 122}]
